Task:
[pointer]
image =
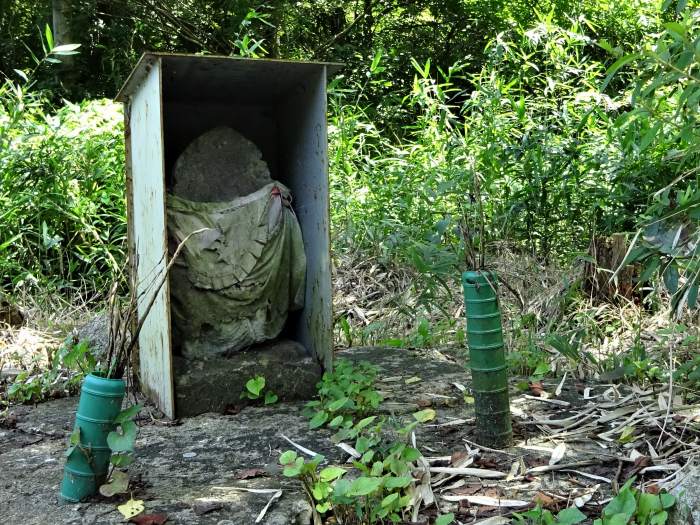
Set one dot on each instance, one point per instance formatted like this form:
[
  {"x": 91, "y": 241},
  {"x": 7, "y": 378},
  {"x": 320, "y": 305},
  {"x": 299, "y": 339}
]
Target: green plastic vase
[
  {"x": 87, "y": 464},
  {"x": 487, "y": 359}
]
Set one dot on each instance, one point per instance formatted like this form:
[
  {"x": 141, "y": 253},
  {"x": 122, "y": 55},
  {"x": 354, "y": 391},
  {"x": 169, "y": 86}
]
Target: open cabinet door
[{"x": 148, "y": 245}]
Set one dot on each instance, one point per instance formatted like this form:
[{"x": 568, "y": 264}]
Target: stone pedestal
[{"x": 215, "y": 384}]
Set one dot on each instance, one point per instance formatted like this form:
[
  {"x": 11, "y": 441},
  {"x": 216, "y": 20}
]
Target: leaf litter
[{"x": 570, "y": 453}]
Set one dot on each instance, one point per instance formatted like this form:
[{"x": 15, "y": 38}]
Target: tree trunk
[
  {"x": 607, "y": 253},
  {"x": 368, "y": 24},
  {"x": 61, "y": 29}
]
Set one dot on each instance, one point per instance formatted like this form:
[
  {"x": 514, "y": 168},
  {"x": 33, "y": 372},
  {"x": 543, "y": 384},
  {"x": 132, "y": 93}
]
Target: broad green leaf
[
  {"x": 331, "y": 473},
  {"x": 398, "y": 482},
  {"x": 410, "y": 454},
  {"x": 288, "y": 457},
  {"x": 293, "y": 469},
  {"x": 128, "y": 414},
  {"x": 649, "y": 268},
  {"x": 667, "y": 500},
  {"x": 391, "y": 498},
  {"x": 620, "y": 62},
  {"x": 324, "y": 507},
  {"x": 270, "y": 398},
  {"x": 659, "y": 519},
  {"x": 675, "y": 27},
  {"x": 649, "y": 137},
  {"x": 617, "y": 519},
  {"x": 362, "y": 444},
  {"x": 65, "y": 49},
  {"x": 49, "y": 36},
  {"x": 337, "y": 404},
  {"x": 671, "y": 278},
  {"x": 255, "y": 385},
  {"x": 570, "y": 516},
  {"x": 336, "y": 421},
  {"x": 377, "y": 468},
  {"x": 123, "y": 441},
  {"x": 424, "y": 415},
  {"x": 445, "y": 519},
  {"x": 121, "y": 460},
  {"x": 648, "y": 504},
  {"x": 365, "y": 422},
  {"x": 318, "y": 420},
  {"x": 320, "y": 491},
  {"x": 367, "y": 457},
  {"x": 624, "y": 504},
  {"x": 364, "y": 486}
]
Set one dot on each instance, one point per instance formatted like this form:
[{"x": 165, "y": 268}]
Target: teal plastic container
[
  {"x": 487, "y": 359},
  {"x": 86, "y": 467}
]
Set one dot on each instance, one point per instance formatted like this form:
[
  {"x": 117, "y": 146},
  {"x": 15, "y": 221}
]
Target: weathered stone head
[{"x": 218, "y": 166}]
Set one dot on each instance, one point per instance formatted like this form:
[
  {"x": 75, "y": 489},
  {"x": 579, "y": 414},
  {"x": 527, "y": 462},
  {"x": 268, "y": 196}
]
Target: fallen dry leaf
[
  {"x": 486, "y": 463},
  {"x": 457, "y": 456},
  {"x": 468, "y": 490},
  {"x": 545, "y": 501},
  {"x": 536, "y": 388},
  {"x": 557, "y": 454},
  {"x": 584, "y": 498},
  {"x": 202, "y": 507},
  {"x": 494, "y": 520},
  {"x": 250, "y": 473},
  {"x": 467, "y": 471},
  {"x": 487, "y": 501},
  {"x": 149, "y": 519},
  {"x": 131, "y": 508}
]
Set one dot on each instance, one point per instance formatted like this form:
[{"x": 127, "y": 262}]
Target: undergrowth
[{"x": 557, "y": 139}]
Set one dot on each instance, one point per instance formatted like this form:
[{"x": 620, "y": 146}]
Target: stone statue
[{"x": 236, "y": 282}]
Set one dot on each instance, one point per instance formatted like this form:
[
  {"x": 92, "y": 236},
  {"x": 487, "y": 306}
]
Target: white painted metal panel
[
  {"x": 304, "y": 143},
  {"x": 149, "y": 238}
]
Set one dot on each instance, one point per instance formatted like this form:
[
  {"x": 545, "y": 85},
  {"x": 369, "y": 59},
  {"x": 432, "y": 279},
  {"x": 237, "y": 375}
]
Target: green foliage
[
  {"x": 255, "y": 389},
  {"x": 61, "y": 186},
  {"x": 121, "y": 441},
  {"x": 343, "y": 394},
  {"x": 540, "y": 516},
  {"x": 68, "y": 366},
  {"x": 634, "y": 507},
  {"x": 62, "y": 196},
  {"x": 381, "y": 483},
  {"x": 380, "y": 491},
  {"x": 628, "y": 507},
  {"x": 661, "y": 130}
]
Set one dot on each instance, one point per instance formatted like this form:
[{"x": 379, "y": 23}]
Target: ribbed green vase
[
  {"x": 487, "y": 359},
  {"x": 86, "y": 466}
]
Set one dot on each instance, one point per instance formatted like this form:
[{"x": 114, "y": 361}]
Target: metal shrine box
[{"x": 169, "y": 100}]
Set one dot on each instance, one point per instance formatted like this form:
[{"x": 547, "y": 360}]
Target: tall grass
[
  {"x": 531, "y": 154},
  {"x": 61, "y": 194}
]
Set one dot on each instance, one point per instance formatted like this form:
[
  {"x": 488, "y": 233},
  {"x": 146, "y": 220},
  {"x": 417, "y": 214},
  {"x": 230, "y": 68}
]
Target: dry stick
[
  {"x": 666, "y": 432},
  {"x": 512, "y": 290},
  {"x": 670, "y": 393},
  {"x": 489, "y": 449},
  {"x": 616, "y": 480},
  {"x": 111, "y": 335},
  {"x": 550, "y": 468},
  {"x": 135, "y": 335}
]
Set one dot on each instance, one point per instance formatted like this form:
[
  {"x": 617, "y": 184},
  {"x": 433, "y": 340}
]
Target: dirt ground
[{"x": 193, "y": 470}]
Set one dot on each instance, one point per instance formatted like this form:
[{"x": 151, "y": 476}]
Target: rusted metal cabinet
[{"x": 169, "y": 100}]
